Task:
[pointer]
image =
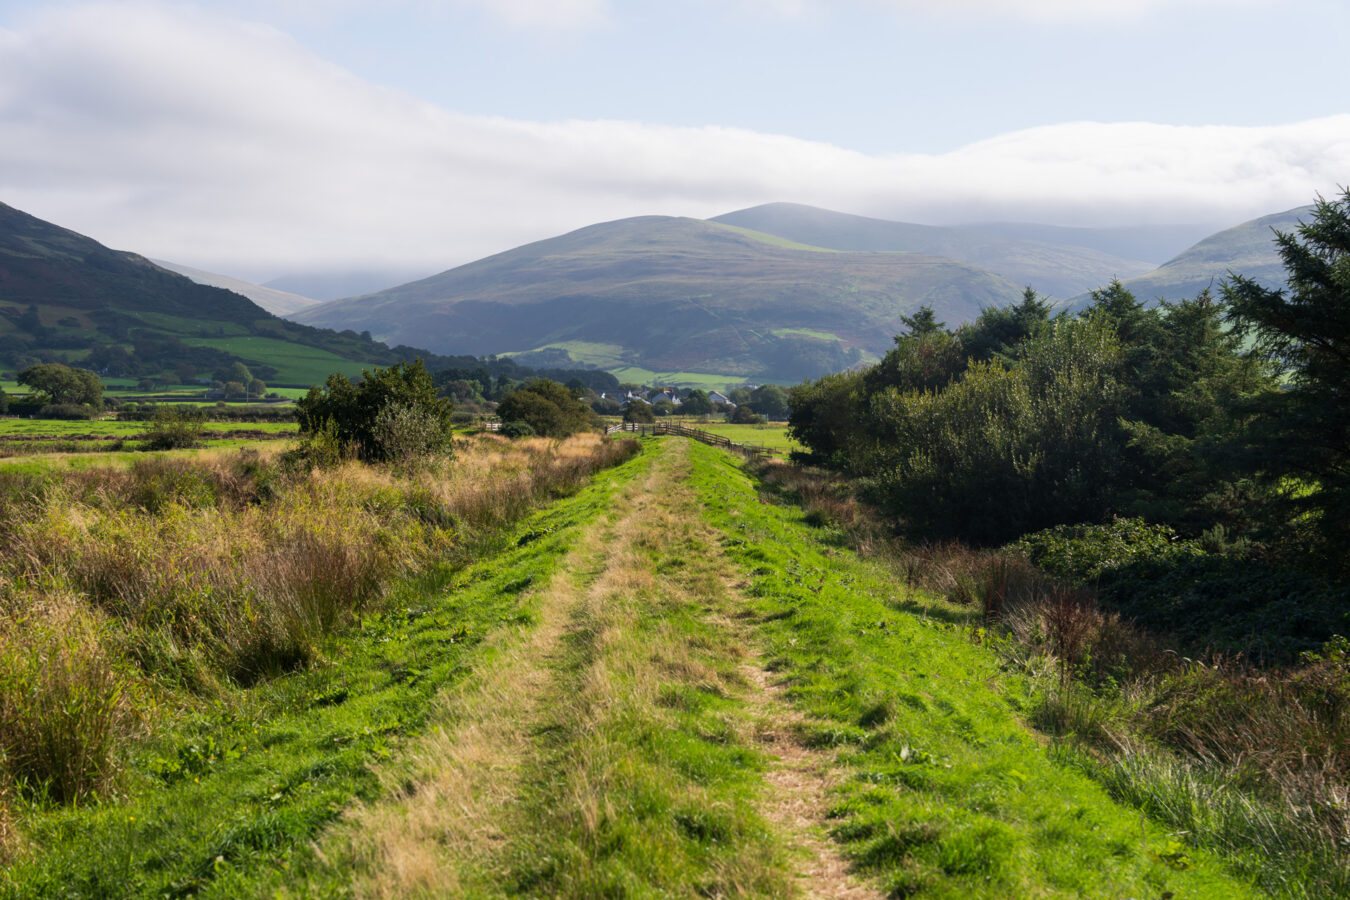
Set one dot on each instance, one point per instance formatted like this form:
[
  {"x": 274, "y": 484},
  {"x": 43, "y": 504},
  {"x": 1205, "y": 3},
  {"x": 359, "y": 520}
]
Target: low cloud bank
[{"x": 193, "y": 137}]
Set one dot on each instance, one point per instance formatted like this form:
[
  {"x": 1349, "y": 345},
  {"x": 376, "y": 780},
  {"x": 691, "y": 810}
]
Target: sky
[{"x": 259, "y": 138}]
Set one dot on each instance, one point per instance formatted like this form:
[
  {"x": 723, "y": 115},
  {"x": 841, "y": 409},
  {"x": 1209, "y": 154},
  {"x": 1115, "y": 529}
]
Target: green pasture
[
  {"x": 773, "y": 436},
  {"x": 96, "y": 459},
  {"x": 114, "y": 428},
  {"x": 708, "y": 381},
  {"x": 295, "y": 364}
]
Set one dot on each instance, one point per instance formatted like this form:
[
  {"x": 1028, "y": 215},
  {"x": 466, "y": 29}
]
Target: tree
[
  {"x": 61, "y": 385},
  {"x": 823, "y": 415},
  {"x": 744, "y": 415},
  {"x": 696, "y": 403},
  {"x": 1304, "y": 436},
  {"x": 638, "y": 412},
  {"x": 770, "y": 401},
  {"x": 362, "y": 417},
  {"x": 547, "y": 407},
  {"x": 997, "y": 330},
  {"x": 235, "y": 371},
  {"x": 923, "y": 322}
]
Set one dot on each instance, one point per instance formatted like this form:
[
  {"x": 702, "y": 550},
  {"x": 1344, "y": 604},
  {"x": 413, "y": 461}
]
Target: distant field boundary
[{"x": 707, "y": 437}]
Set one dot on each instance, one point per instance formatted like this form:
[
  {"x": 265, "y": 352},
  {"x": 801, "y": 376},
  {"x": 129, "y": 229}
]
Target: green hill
[
  {"x": 673, "y": 295},
  {"x": 67, "y": 298},
  {"x": 1247, "y": 249},
  {"x": 1054, "y": 269}
]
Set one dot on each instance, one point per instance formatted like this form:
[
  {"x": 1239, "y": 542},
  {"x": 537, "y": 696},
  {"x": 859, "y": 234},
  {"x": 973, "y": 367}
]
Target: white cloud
[
  {"x": 1036, "y": 10},
  {"x": 215, "y": 143},
  {"x": 569, "y": 14}
]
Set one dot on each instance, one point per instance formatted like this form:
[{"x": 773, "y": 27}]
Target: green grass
[
  {"x": 708, "y": 381},
  {"x": 296, "y": 364},
  {"x": 805, "y": 332},
  {"x": 587, "y": 353},
  {"x": 774, "y": 240},
  {"x": 947, "y": 793},
  {"x": 188, "y": 326},
  {"x": 120, "y": 428},
  {"x": 775, "y": 437}
]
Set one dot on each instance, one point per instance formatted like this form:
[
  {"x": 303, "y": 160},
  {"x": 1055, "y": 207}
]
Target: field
[
  {"x": 772, "y": 436},
  {"x": 38, "y": 445},
  {"x": 296, "y": 364}
]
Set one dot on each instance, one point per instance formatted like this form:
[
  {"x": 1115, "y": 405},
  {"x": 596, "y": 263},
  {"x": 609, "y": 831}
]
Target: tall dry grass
[{"x": 192, "y": 575}]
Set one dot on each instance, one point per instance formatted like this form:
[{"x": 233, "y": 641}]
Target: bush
[
  {"x": 639, "y": 412},
  {"x": 1081, "y": 553},
  {"x": 70, "y": 411},
  {"x": 517, "y": 429},
  {"x": 174, "y": 427},
  {"x": 388, "y": 414},
  {"x": 547, "y": 407},
  {"x": 744, "y": 415}
]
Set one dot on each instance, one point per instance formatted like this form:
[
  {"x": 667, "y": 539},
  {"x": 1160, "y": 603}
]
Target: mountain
[
  {"x": 326, "y": 285},
  {"x": 65, "y": 297},
  {"x": 657, "y": 294},
  {"x": 1247, "y": 249},
  {"x": 278, "y": 303},
  {"x": 1150, "y": 243},
  {"x": 1057, "y": 270}
]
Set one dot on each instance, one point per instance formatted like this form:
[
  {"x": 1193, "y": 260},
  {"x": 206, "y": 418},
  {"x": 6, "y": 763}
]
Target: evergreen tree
[{"x": 1305, "y": 329}]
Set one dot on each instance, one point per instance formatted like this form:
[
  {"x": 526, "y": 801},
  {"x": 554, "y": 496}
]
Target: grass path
[{"x": 627, "y": 745}]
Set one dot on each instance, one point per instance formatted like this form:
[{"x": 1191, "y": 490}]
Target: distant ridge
[
  {"x": 1056, "y": 270},
  {"x": 325, "y": 286},
  {"x": 1247, "y": 249},
  {"x": 278, "y": 303},
  {"x": 665, "y": 294}
]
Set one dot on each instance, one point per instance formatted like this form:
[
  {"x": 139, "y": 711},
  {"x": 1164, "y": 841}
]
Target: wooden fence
[{"x": 706, "y": 437}]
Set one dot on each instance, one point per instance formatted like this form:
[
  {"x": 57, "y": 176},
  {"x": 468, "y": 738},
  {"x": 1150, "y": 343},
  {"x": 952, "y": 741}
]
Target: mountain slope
[
  {"x": 1058, "y": 270},
  {"x": 65, "y": 297},
  {"x": 673, "y": 294},
  {"x": 1149, "y": 243},
  {"x": 277, "y": 302},
  {"x": 1247, "y": 249}
]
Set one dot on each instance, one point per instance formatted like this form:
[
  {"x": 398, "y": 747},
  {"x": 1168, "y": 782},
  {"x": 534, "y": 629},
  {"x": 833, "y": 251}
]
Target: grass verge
[{"x": 949, "y": 794}]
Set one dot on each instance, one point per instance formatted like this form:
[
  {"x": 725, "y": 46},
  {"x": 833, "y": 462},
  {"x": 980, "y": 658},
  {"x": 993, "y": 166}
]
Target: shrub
[
  {"x": 174, "y": 427},
  {"x": 744, "y": 415},
  {"x": 1081, "y": 553},
  {"x": 69, "y": 411},
  {"x": 639, "y": 412},
  {"x": 547, "y": 407},
  {"x": 398, "y": 405}
]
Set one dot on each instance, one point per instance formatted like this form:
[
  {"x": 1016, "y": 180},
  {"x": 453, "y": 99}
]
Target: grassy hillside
[
  {"x": 66, "y": 298},
  {"x": 1247, "y": 249},
  {"x": 1055, "y": 269},
  {"x": 674, "y": 295}
]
